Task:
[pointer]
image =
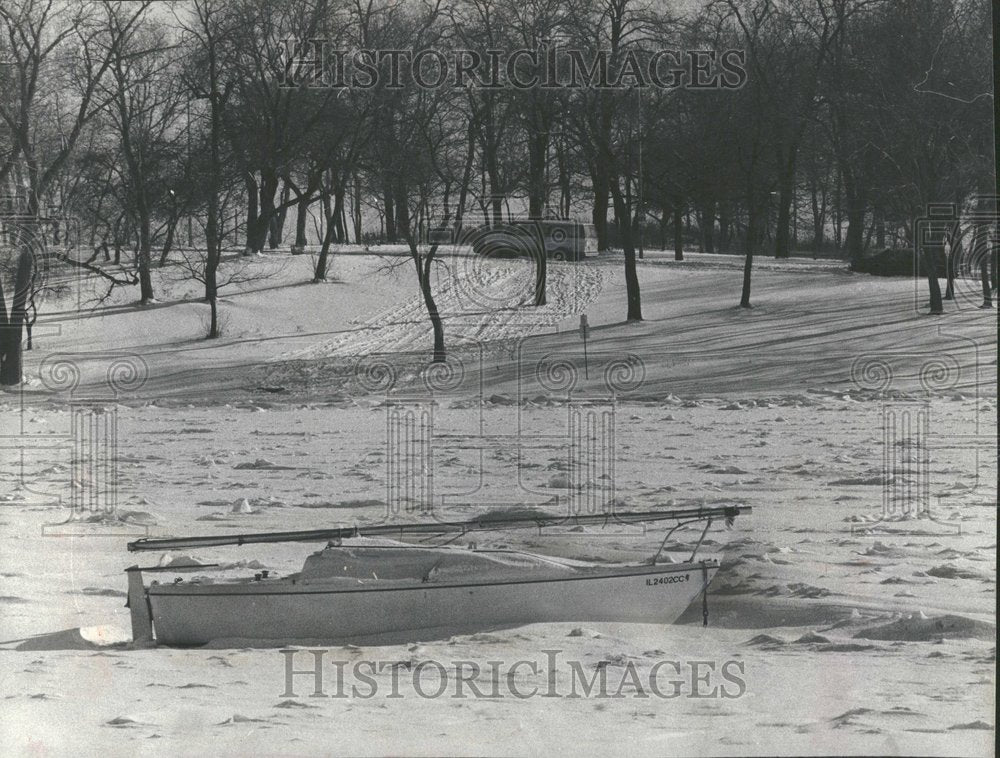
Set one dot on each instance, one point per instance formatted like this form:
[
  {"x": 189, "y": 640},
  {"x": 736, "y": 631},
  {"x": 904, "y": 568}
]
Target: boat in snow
[{"x": 364, "y": 588}]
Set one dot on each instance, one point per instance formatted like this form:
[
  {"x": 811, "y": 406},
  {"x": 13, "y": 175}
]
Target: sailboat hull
[{"x": 282, "y": 611}]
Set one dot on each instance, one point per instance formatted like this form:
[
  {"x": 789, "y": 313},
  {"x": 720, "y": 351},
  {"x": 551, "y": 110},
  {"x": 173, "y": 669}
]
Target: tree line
[{"x": 173, "y": 133}]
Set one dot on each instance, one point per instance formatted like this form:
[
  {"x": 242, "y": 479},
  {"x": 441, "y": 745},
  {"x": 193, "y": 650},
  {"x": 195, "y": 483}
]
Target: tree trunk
[
  {"x": 747, "y": 273},
  {"x": 11, "y": 328},
  {"x": 855, "y": 234},
  {"x": 356, "y": 208},
  {"x": 856, "y": 208},
  {"x": 327, "y": 211},
  {"x": 993, "y": 266},
  {"x": 984, "y": 276},
  {"x": 116, "y": 237},
  {"x": 496, "y": 202},
  {"x": 423, "y": 267},
  {"x": 786, "y": 193},
  {"x": 168, "y": 243},
  {"x": 143, "y": 260},
  {"x": 953, "y": 255},
  {"x": 492, "y": 166},
  {"x": 213, "y": 327},
  {"x": 980, "y": 244},
  {"x": 936, "y": 304},
  {"x": 537, "y": 150},
  {"x": 706, "y": 226},
  {"x": 541, "y": 267},
  {"x": 343, "y": 217},
  {"x": 4, "y": 327},
  {"x": 437, "y": 325},
  {"x": 930, "y": 270},
  {"x": 837, "y": 230},
  {"x": 213, "y": 233},
  {"x": 634, "y": 311},
  {"x": 319, "y": 275},
  {"x": 266, "y": 212},
  {"x": 463, "y": 190},
  {"x": 599, "y": 214},
  {"x": 795, "y": 222},
  {"x": 565, "y": 189},
  {"x": 818, "y": 219},
  {"x": 214, "y": 251},
  {"x": 28, "y": 324},
  {"x": 301, "y": 216},
  {"x": 723, "y": 243},
  {"x": 390, "y": 217},
  {"x": 752, "y": 241},
  {"x": 276, "y": 232},
  {"x": 337, "y": 221},
  {"x": 252, "y": 210},
  {"x": 678, "y": 231}
]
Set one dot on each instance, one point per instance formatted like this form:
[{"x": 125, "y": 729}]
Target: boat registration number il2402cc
[{"x": 667, "y": 579}]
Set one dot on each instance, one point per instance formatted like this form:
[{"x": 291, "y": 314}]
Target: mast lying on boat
[{"x": 486, "y": 522}]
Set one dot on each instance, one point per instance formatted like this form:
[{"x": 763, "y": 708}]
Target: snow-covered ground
[{"x": 856, "y": 630}]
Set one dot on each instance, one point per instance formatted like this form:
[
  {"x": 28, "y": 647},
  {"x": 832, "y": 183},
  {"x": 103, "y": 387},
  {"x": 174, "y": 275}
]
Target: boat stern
[{"x": 138, "y": 606}]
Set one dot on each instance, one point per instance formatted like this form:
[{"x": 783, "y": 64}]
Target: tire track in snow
[{"x": 490, "y": 307}]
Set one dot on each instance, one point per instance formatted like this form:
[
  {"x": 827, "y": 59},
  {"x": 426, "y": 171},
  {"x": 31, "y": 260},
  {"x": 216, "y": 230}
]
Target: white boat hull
[{"x": 279, "y": 610}]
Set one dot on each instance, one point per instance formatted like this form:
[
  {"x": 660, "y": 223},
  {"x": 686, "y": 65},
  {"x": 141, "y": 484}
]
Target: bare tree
[
  {"x": 144, "y": 99},
  {"x": 207, "y": 35},
  {"x": 269, "y": 123},
  {"x": 415, "y": 129},
  {"x": 54, "y": 49},
  {"x": 613, "y": 34},
  {"x": 199, "y": 266}
]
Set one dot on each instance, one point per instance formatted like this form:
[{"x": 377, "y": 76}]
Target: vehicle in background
[
  {"x": 560, "y": 239},
  {"x": 901, "y": 262}
]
